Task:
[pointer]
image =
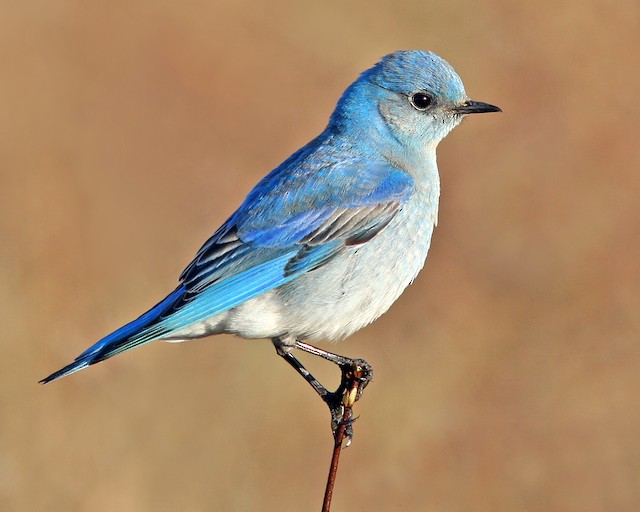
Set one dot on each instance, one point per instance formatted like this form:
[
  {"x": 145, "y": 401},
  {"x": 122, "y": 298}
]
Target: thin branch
[
  {"x": 354, "y": 380},
  {"x": 335, "y": 459}
]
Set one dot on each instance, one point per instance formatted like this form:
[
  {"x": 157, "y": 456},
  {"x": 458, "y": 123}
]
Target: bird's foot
[{"x": 356, "y": 374}]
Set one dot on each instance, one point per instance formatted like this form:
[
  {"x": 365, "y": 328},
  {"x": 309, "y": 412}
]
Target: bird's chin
[{"x": 447, "y": 123}]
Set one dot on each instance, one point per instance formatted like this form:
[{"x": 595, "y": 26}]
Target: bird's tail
[{"x": 107, "y": 346}]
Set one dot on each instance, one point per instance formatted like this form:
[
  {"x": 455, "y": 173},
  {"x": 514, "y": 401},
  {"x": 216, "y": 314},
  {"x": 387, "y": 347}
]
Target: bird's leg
[
  {"x": 284, "y": 351},
  {"x": 352, "y": 370},
  {"x": 356, "y": 374}
]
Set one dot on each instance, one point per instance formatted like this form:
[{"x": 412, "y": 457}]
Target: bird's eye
[{"x": 421, "y": 100}]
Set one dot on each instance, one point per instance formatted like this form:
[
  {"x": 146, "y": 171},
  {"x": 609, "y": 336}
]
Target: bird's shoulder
[{"x": 328, "y": 172}]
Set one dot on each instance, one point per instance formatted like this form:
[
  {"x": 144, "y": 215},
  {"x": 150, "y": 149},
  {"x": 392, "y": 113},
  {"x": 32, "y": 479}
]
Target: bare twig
[
  {"x": 354, "y": 380},
  {"x": 333, "y": 469}
]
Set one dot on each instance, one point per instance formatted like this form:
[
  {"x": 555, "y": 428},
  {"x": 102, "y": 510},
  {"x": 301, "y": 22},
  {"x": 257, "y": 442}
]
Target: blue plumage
[{"x": 338, "y": 229}]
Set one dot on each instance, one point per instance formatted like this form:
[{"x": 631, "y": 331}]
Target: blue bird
[{"x": 326, "y": 242}]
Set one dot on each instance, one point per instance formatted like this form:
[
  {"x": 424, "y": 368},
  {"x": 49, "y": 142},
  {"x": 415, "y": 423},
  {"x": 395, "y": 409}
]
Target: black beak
[{"x": 475, "y": 107}]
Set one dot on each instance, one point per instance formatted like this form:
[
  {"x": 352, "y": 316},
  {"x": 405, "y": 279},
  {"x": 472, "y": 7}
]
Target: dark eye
[{"x": 421, "y": 100}]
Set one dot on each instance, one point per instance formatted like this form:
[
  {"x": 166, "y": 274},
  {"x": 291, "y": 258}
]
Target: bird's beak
[{"x": 475, "y": 107}]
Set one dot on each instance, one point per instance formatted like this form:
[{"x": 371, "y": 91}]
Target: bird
[{"x": 326, "y": 242}]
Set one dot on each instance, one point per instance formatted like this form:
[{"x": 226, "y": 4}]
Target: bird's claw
[
  {"x": 356, "y": 374},
  {"x": 355, "y": 378}
]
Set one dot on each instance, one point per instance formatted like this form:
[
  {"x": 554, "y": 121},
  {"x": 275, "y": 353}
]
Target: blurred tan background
[{"x": 507, "y": 377}]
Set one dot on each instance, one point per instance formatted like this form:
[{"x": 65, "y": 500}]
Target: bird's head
[{"x": 413, "y": 98}]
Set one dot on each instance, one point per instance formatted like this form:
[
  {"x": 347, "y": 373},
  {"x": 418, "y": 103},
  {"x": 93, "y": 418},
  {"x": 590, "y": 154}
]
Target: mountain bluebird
[{"x": 328, "y": 240}]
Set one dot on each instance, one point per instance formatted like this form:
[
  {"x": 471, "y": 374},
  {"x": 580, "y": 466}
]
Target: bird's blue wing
[
  {"x": 290, "y": 224},
  {"x": 285, "y": 228},
  {"x": 305, "y": 215}
]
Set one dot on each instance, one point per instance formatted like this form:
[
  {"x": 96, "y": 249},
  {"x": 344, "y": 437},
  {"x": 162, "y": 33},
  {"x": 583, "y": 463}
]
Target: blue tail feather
[{"x": 95, "y": 352}]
